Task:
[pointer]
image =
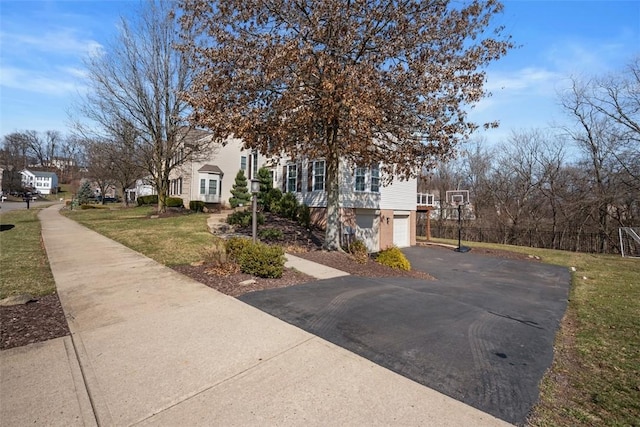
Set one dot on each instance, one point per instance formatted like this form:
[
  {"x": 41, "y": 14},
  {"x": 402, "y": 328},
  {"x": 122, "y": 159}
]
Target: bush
[
  {"x": 287, "y": 206},
  {"x": 148, "y": 200},
  {"x": 262, "y": 260},
  {"x": 235, "y": 246},
  {"x": 304, "y": 216},
  {"x": 271, "y": 199},
  {"x": 270, "y": 234},
  {"x": 244, "y": 218},
  {"x": 174, "y": 202},
  {"x": 196, "y": 205},
  {"x": 240, "y": 191},
  {"x": 359, "y": 251},
  {"x": 394, "y": 258},
  {"x": 216, "y": 254}
]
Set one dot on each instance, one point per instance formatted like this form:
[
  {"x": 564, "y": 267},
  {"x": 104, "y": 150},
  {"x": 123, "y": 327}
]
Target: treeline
[{"x": 563, "y": 188}]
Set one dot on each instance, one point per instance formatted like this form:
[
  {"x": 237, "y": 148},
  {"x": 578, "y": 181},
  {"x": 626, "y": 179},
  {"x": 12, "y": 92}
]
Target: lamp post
[{"x": 255, "y": 189}]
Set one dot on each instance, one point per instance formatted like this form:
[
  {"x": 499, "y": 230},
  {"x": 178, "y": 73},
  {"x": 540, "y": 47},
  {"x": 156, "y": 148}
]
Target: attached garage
[{"x": 401, "y": 231}]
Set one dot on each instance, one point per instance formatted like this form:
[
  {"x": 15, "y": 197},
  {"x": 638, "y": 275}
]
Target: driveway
[{"x": 482, "y": 332}]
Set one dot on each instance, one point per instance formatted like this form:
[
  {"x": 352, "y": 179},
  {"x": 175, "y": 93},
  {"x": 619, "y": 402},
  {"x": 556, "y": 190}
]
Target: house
[
  {"x": 40, "y": 182},
  {"x": 379, "y": 215},
  {"x": 211, "y": 179}
]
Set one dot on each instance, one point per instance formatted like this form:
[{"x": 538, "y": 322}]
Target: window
[
  {"x": 243, "y": 163},
  {"x": 375, "y": 179},
  {"x": 292, "y": 178},
  {"x": 213, "y": 186},
  {"x": 203, "y": 185},
  {"x": 254, "y": 164},
  {"x": 318, "y": 175},
  {"x": 361, "y": 174}
]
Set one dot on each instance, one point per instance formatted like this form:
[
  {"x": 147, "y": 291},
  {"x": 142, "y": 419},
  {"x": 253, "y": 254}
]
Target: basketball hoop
[{"x": 458, "y": 199}]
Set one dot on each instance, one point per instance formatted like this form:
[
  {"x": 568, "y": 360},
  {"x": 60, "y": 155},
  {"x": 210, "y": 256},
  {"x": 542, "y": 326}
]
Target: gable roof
[{"x": 211, "y": 169}]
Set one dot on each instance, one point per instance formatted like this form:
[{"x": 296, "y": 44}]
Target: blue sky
[{"x": 42, "y": 44}]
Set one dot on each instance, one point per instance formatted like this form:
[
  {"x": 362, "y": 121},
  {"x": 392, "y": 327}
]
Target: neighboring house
[
  {"x": 141, "y": 188},
  {"x": 379, "y": 215},
  {"x": 210, "y": 180},
  {"x": 40, "y": 182}
]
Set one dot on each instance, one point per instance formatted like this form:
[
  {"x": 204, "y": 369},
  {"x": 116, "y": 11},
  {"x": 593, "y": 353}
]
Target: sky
[{"x": 43, "y": 43}]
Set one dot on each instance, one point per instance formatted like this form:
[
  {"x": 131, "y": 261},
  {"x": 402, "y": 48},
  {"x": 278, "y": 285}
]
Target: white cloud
[
  {"x": 32, "y": 81},
  {"x": 59, "y": 41}
]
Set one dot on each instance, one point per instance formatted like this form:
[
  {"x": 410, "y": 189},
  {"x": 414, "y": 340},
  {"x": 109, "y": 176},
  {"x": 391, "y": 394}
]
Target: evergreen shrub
[
  {"x": 262, "y": 260},
  {"x": 270, "y": 234},
  {"x": 244, "y": 218},
  {"x": 394, "y": 258},
  {"x": 148, "y": 200},
  {"x": 359, "y": 251},
  {"x": 174, "y": 202},
  {"x": 196, "y": 205}
]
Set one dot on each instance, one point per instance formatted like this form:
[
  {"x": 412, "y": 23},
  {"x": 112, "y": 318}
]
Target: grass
[
  {"x": 170, "y": 241},
  {"x": 24, "y": 267},
  {"x": 595, "y": 376}
]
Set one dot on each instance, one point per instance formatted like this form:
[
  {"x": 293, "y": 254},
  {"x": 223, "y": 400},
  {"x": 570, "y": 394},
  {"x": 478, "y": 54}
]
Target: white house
[
  {"x": 40, "y": 182},
  {"x": 211, "y": 179},
  {"x": 379, "y": 215}
]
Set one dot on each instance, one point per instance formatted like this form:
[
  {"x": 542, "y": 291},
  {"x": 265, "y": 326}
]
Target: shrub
[
  {"x": 216, "y": 254},
  {"x": 287, "y": 206},
  {"x": 240, "y": 191},
  {"x": 235, "y": 246},
  {"x": 244, "y": 218},
  {"x": 148, "y": 200},
  {"x": 271, "y": 199},
  {"x": 174, "y": 202},
  {"x": 196, "y": 205},
  {"x": 359, "y": 251},
  {"x": 270, "y": 234},
  {"x": 394, "y": 258},
  {"x": 262, "y": 260},
  {"x": 304, "y": 216}
]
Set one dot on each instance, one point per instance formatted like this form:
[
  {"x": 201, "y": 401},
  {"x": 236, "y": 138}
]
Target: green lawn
[
  {"x": 595, "y": 377},
  {"x": 171, "y": 241},
  {"x": 24, "y": 267}
]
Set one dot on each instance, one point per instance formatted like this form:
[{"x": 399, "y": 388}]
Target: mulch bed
[{"x": 36, "y": 321}]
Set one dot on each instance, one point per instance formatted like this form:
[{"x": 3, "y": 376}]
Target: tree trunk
[{"x": 332, "y": 235}]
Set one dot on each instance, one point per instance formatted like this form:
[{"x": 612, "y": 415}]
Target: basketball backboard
[{"x": 457, "y": 197}]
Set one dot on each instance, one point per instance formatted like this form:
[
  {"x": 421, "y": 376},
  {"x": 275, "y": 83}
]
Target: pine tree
[
  {"x": 85, "y": 193},
  {"x": 240, "y": 191},
  {"x": 266, "y": 184}
]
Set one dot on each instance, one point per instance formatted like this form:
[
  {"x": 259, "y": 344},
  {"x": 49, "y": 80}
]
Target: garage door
[{"x": 401, "y": 231}]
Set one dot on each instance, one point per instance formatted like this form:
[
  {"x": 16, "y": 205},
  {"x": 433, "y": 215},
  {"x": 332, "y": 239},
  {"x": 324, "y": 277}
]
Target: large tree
[
  {"x": 137, "y": 80},
  {"x": 357, "y": 81}
]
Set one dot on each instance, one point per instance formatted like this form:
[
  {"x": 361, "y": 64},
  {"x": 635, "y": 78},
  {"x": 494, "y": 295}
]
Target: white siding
[{"x": 400, "y": 195}]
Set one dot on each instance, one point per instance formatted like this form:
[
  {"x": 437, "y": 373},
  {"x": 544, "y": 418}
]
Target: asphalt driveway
[{"x": 482, "y": 332}]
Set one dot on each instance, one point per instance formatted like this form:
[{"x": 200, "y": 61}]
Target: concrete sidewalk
[{"x": 150, "y": 346}]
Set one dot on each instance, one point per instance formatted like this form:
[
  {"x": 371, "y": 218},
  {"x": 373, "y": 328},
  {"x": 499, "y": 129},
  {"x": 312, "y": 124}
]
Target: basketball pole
[{"x": 460, "y": 248}]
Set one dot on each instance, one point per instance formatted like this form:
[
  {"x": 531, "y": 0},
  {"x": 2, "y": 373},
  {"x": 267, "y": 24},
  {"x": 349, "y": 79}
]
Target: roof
[
  {"x": 41, "y": 174},
  {"x": 211, "y": 169}
]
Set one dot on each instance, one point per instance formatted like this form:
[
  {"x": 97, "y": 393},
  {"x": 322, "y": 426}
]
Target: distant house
[{"x": 40, "y": 182}]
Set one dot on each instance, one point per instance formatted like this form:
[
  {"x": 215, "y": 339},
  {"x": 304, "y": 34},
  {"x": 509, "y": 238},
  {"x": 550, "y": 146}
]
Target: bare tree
[
  {"x": 361, "y": 81},
  {"x": 137, "y": 80}
]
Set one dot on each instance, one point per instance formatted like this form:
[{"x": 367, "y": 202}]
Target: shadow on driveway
[{"x": 482, "y": 332}]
